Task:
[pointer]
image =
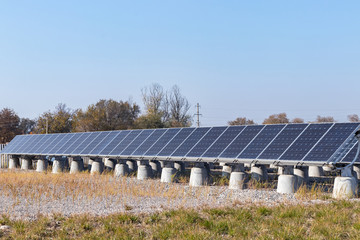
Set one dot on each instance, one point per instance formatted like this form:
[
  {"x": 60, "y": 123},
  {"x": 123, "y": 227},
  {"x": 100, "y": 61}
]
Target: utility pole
[{"x": 198, "y": 114}]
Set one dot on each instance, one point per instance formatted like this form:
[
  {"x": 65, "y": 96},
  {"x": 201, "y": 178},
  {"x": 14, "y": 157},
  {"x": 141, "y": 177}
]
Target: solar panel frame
[{"x": 12, "y": 144}]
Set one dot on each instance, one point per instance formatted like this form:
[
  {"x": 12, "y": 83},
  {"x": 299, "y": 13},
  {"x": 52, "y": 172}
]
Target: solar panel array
[{"x": 292, "y": 143}]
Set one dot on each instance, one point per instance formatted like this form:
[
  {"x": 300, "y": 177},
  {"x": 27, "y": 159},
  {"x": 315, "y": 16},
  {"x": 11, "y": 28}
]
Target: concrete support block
[
  {"x": 168, "y": 173},
  {"x": 109, "y": 164},
  {"x": 156, "y": 168},
  {"x": 26, "y": 163},
  {"x": 199, "y": 175},
  {"x": 121, "y": 169},
  {"x": 144, "y": 171},
  {"x": 287, "y": 184},
  {"x": 237, "y": 177},
  {"x": 41, "y": 165},
  {"x": 226, "y": 171},
  {"x": 76, "y": 165},
  {"x": 89, "y": 164},
  {"x": 97, "y": 166},
  {"x": 259, "y": 173},
  {"x": 14, "y": 162},
  {"x": 58, "y": 166},
  {"x": 316, "y": 171},
  {"x": 302, "y": 175},
  {"x": 179, "y": 166},
  {"x": 132, "y": 166},
  {"x": 345, "y": 188}
]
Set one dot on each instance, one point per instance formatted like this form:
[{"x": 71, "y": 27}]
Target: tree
[
  {"x": 241, "y": 121},
  {"x": 179, "y": 108},
  {"x": 353, "y": 118},
  {"x": 276, "y": 119},
  {"x": 321, "y": 119},
  {"x": 26, "y": 125},
  {"x": 59, "y": 121},
  {"x": 106, "y": 115},
  {"x": 9, "y": 125},
  {"x": 297, "y": 120}
]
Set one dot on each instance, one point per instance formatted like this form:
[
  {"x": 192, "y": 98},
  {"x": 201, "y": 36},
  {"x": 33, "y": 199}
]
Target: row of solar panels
[{"x": 284, "y": 142}]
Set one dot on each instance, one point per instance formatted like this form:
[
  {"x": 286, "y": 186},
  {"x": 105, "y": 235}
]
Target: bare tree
[
  {"x": 153, "y": 98},
  {"x": 276, "y": 119},
  {"x": 297, "y": 120},
  {"x": 179, "y": 108},
  {"x": 353, "y": 118},
  {"x": 321, "y": 119},
  {"x": 241, "y": 121}
]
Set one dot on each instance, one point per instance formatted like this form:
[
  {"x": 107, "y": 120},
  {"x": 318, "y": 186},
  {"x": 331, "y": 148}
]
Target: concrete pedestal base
[
  {"x": 144, "y": 172},
  {"x": 14, "y": 163},
  {"x": 76, "y": 166},
  {"x": 26, "y": 164},
  {"x": 41, "y": 165},
  {"x": 301, "y": 173},
  {"x": 156, "y": 168},
  {"x": 168, "y": 174},
  {"x": 316, "y": 171},
  {"x": 97, "y": 167},
  {"x": 132, "y": 166},
  {"x": 89, "y": 164},
  {"x": 259, "y": 173},
  {"x": 226, "y": 171},
  {"x": 198, "y": 176},
  {"x": 180, "y": 167},
  {"x": 237, "y": 180},
  {"x": 344, "y": 188},
  {"x": 109, "y": 164},
  {"x": 287, "y": 184},
  {"x": 58, "y": 166},
  {"x": 121, "y": 170}
]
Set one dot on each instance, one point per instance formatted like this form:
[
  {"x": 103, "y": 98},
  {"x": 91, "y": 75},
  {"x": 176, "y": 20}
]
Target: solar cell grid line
[
  {"x": 96, "y": 140},
  {"x": 48, "y": 139},
  {"x": 125, "y": 142},
  {"x": 208, "y": 139},
  {"x": 30, "y": 144},
  {"x": 176, "y": 142},
  {"x": 149, "y": 142},
  {"x": 59, "y": 143},
  {"x": 331, "y": 141},
  {"x": 282, "y": 141},
  {"x": 241, "y": 141},
  {"x": 12, "y": 144},
  {"x": 39, "y": 142},
  {"x": 50, "y": 145},
  {"x": 23, "y": 143},
  {"x": 75, "y": 137},
  {"x": 190, "y": 142},
  {"x": 145, "y": 134},
  {"x": 106, "y": 141},
  {"x": 332, "y": 125},
  {"x": 263, "y": 139},
  {"x": 113, "y": 143},
  {"x": 219, "y": 146},
  {"x": 307, "y": 139},
  {"x": 85, "y": 143},
  {"x": 76, "y": 143},
  {"x": 162, "y": 142}
]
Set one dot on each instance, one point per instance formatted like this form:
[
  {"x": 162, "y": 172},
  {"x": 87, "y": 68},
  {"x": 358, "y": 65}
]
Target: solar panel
[
  {"x": 113, "y": 143},
  {"x": 241, "y": 141},
  {"x": 282, "y": 141},
  {"x": 332, "y": 140},
  {"x": 105, "y": 141},
  {"x": 66, "y": 145},
  {"x": 95, "y": 141},
  {"x": 60, "y": 142},
  {"x": 74, "y": 143},
  {"x": 190, "y": 142},
  {"x": 206, "y": 142},
  {"x": 263, "y": 139},
  {"x": 349, "y": 157},
  {"x": 176, "y": 141},
  {"x": 305, "y": 142},
  {"x": 223, "y": 141},
  {"x": 124, "y": 143},
  {"x": 24, "y": 143},
  {"x": 46, "y": 141},
  {"x": 164, "y": 139},
  {"x": 87, "y": 139},
  {"x": 155, "y": 135},
  {"x": 12, "y": 144},
  {"x": 53, "y": 144},
  {"x": 39, "y": 142}
]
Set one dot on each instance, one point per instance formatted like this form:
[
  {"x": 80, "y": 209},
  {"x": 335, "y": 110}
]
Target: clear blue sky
[{"x": 236, "y": 58}]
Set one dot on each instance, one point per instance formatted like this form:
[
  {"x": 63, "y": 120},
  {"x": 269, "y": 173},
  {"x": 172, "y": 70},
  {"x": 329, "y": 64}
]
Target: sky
[{"x": 235, "y": 58}]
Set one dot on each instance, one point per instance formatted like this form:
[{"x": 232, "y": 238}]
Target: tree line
[{"x": 163, "y": 108}]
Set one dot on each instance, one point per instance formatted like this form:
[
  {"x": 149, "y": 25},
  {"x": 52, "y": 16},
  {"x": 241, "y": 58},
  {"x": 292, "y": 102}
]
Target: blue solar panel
[
  {"x": 137, "y": 141},
  {"x": 224, "y": 140},
  {"x": 27, "y": 144},
  {"x": 263, "y": 139},
  {"x": 11, "y": 145},
  {"x": 125, "y": 142},
  {"x": 106, "y": 141},
  {"x": 331, "y": 142},
  {"x": 176, "y": 141},
  {"x": 60, "y": 142},
  {"x": 190, "y": 142},
  {"x": 87, "y": 140},
  {"x": 206, "y": 142},
  {"x": 66, "y": 145},
  {"x": 113, "y": 143},
  {"x": 349, "y": 157},
  {"x": 50, "y": 145},
  {"x": 39, "y": 142},
  {"x": 163, "y": 140},
  {"x": 95, "y": 141},
  {"x": 241, "y": 141},
  {"x": 47, "y": 140},
  {"x": 283, "y": 141},
  {"x": 74, "y": 143},
  {"x": 149, "y": 142},
  {"x": 305, "y": 141}
]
